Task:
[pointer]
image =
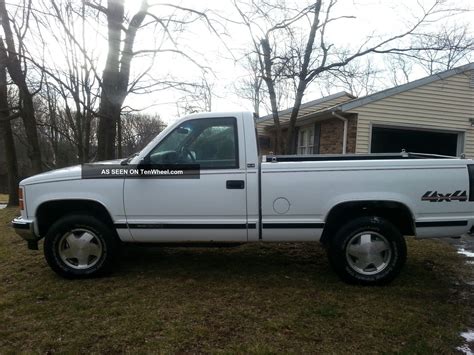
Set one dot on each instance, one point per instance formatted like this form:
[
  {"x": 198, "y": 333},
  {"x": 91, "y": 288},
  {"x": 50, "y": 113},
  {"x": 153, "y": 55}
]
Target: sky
[
  {"x": 372, "y": 18},
  {"x": 222, "y": 54}
]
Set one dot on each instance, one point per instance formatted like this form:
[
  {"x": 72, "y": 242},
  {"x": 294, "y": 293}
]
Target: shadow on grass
[
  {"x": 256, "y": 261},
  {"x": 264, "y": 263}
]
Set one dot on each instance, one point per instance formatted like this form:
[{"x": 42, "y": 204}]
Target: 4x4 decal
[{"x": 434, "y": 196}]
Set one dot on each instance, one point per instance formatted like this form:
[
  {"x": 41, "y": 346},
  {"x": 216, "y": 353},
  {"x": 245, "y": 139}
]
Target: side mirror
[
  {"x": 182, "y": 130},
  {"x": 144, "y": 162}
]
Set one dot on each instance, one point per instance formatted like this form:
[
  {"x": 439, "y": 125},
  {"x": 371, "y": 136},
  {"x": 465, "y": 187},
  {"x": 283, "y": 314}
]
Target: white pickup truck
[{"x": 359, "y": 206}]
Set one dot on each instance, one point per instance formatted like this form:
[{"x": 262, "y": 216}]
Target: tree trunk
[
  {"x": 110, "y": 105},
  {"x": 119, "y": 137},
  {"x": 290, "y": 147},
  {"x": 267, "y": 62},
  {"x": 11, "y": 160},
  {"x": 29, "y": 121},
  {"x": 6, "y": 132},
  {"x": 109, "y": 113},
  {"x": 26, "y": 98},
  {"x": 87, "y": 135},
  {"x": 87, "y": 114},
  {"x": 116, "y": 74}
]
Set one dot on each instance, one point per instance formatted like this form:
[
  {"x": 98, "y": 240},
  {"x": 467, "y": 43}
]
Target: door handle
[{"x": 235, "y": 184}]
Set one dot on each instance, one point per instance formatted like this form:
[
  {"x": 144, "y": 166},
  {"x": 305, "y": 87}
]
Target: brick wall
[
  {"x": 331, "y": 137},
  {"x": 352, "y": 134}
]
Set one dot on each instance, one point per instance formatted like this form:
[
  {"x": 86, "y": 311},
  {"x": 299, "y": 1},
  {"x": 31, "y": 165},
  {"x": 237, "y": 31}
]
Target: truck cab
[{"x": 218, "y": 206}]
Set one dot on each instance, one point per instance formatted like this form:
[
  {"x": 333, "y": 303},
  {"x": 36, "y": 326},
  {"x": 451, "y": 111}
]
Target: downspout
[{"x": 344, "y": 137}]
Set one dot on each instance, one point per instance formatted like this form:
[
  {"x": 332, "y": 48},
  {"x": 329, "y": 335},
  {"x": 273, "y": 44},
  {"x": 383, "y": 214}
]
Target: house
[{"x": 430, "y": 115}]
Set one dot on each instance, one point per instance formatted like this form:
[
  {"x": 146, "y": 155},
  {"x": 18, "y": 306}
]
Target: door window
[{"x": 211, "y": 143}]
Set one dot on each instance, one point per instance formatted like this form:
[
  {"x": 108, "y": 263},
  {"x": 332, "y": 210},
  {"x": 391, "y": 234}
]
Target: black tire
[
  {"x": 103, "y": 235},
  {"x": 381, "y": 234}
]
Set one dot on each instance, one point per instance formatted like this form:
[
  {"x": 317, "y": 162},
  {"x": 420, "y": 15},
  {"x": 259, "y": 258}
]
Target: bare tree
[
  {"x": 286, "y": 53},
  {"x": 116, "y": 73},
  {"x": 138, "y": 130},
  {"x": 116, "y": 78},
  {"x": 439, "y": 51},
  {"x": 250, "y": 87},
  {"x": 359, "y": 78},
  {"x": 197, "y": 98},
  {"x": 54, "y": 123},
  {"x": 400, "y": 68},
  {"x": 6, "y": 131},
  {"x": 17, "y": 69},
  {"x": 70, "y": 88},
  {"x": 266, "y": 41},
  {"x": 75, "y": 79}
]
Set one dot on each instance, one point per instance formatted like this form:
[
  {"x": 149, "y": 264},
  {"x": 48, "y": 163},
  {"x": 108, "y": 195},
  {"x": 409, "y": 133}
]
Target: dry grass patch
[{"x": 253, "y": 298}]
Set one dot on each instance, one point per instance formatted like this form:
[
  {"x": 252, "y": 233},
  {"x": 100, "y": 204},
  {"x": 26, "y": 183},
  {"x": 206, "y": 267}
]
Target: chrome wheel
[
  {"x": 368, "y": 252},
  {"x": 80, "y": 249}
]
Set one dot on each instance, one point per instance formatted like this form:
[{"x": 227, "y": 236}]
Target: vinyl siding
[{"x": 446, "y": 104}]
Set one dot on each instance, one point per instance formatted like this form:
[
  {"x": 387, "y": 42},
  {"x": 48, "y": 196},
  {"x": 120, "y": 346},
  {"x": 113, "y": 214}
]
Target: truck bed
[{"x": 303, "y": 189}]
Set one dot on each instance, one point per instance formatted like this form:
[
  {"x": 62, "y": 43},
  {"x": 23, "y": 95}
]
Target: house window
[{"x": 306, "y": 140}]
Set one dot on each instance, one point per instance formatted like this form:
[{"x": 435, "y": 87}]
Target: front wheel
[
  {"x": 367, "y": 251},
  {"x": 80, "y": 245}
]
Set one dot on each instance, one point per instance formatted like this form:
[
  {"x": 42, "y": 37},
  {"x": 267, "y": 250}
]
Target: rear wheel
[
  {"x": 368, "y": 251},
  {"x": 80, "y": 246}
]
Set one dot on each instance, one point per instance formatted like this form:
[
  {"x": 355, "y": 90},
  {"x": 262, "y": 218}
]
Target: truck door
[{"x": 209, "y": 208}]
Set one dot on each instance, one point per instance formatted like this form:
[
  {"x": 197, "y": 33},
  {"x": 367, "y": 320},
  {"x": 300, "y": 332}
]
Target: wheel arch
[
  {"x": 395, "y": 212},
  {"x": 50, "y": 211}
]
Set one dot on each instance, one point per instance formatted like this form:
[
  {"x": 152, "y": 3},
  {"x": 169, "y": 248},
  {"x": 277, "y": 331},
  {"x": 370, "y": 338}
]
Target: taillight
[{"x": 20, "y": 198}]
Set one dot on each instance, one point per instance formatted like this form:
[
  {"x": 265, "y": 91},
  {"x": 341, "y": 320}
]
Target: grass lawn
[{"x": 253, "y": 298}]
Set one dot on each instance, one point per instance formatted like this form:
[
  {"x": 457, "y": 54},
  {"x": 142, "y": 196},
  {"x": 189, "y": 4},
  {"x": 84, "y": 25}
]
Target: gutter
[{"x": 344, "y": 137}]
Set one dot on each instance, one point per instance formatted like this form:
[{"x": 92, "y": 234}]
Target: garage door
[{"x": 392, "y": 140}]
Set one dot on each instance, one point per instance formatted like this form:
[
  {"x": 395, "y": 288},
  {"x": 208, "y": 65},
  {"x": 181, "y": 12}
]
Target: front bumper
[{"x": 25, "y": 229}]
